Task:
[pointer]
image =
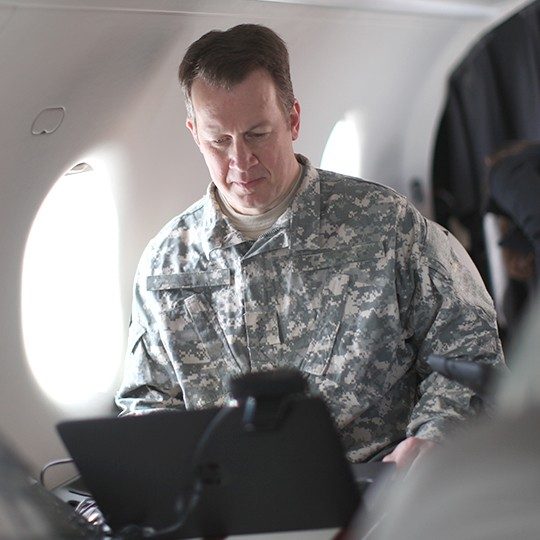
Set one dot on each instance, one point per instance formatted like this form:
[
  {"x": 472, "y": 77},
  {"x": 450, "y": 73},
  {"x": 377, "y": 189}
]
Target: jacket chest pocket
[
  {"x": 191, "y": 332},
  {"x": 190, "y": 318},
  {"x": 334, "y": 283}
]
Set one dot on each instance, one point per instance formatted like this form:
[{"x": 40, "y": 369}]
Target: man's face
[{"x": 246, "y": 140}]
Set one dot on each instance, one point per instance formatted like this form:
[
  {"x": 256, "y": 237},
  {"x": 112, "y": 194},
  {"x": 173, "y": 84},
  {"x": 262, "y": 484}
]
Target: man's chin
[{"x": 251, "y": 205}]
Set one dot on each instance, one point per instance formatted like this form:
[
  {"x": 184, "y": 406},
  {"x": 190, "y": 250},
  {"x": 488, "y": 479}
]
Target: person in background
[
  {"x": 282, "y": 264},
  {"x": 514, "y": 196}
]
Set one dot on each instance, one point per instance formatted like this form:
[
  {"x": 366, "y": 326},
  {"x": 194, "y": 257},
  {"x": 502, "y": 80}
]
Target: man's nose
[{"x": 241, "y": 156}]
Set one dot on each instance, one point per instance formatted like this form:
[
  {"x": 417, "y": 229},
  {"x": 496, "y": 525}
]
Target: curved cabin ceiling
[{"x": 450, "y": 8}]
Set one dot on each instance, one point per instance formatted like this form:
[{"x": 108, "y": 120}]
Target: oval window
[
  {"x": 71, "y": 310},
  {"x": 342, "y": 151}
]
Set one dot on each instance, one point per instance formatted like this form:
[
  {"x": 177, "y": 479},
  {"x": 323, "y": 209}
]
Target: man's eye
[{"x": 258, "y": 135}]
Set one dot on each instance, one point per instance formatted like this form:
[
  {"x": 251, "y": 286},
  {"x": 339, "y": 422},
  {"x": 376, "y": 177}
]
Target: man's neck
[{"x": 253, "y": 226}]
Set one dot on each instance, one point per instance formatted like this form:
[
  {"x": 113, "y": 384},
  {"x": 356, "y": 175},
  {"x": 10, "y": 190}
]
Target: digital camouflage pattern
[{"x": 352, "y": 285}]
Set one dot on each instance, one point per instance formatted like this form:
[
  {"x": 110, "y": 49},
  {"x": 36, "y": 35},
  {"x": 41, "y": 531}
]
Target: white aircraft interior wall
[{"x": 112, "y": 67}]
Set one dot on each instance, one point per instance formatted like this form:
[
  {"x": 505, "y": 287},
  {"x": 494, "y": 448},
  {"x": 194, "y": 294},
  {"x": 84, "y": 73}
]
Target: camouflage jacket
[{"x": 352, "y": 285}]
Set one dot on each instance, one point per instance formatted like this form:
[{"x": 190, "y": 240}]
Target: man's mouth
[{"x": 247, "y": 183}]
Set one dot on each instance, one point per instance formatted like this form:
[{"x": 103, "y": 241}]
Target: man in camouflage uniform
[{"x": 284, "y": 265}]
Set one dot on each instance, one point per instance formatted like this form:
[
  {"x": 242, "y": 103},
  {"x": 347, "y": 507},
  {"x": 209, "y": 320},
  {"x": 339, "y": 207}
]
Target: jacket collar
[
  {"x": 306, "y": 210},
  {"x": 300, "y": 222}
]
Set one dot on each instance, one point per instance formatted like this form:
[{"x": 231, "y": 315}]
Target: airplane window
[
  {"x": 342, "y": 151},
  {"x": 71, "y": 312}
]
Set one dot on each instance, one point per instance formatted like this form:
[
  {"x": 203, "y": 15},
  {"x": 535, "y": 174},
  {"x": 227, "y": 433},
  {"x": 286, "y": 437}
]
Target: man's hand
[{"x": 408, "y": 451}]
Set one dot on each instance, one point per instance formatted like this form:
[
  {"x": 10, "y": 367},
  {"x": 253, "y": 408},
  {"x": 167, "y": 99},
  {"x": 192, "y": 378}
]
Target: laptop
[{"x": 184, "y": 474}]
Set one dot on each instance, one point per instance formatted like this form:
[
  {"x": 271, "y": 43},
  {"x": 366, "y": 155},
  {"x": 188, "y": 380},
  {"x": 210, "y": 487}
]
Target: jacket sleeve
[
  {"x": 445, "y": 310},
  {"x": 149, "y": 382}
]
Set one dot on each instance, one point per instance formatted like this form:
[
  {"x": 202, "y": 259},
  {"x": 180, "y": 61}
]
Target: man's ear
[
  {"x": 294, "y": 118},
  {"x": 192, "y": 127}
]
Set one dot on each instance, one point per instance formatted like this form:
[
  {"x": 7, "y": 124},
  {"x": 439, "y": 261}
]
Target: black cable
[
  {"x": 193, "y": 493},
  {"x": 49, "y": 465}
]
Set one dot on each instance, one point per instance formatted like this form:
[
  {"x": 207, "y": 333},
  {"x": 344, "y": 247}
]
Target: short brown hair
[{"x": 226, "y": 58}]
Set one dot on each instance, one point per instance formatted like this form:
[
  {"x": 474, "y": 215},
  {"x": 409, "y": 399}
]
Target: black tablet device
[{"x": 211, "y": 473}]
